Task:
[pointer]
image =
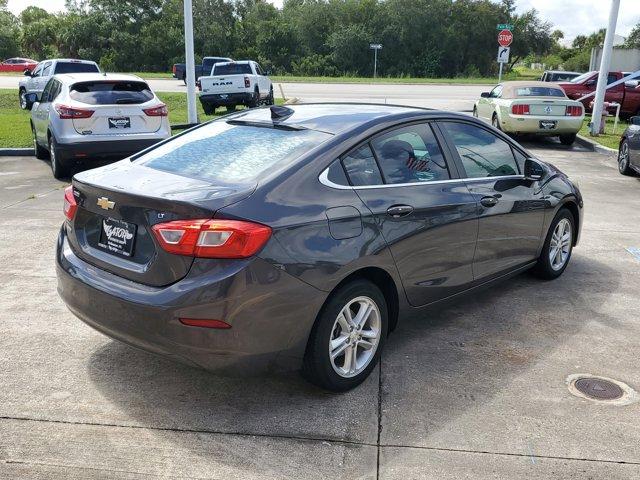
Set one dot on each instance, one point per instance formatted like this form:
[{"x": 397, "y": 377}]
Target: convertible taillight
[
  {"x": 157, "y": 111},
  {"x": 520, "y": 109},
  {"x": 70, "y": 205},
  {"x": 573, "y": 111},
  {"x": 66, "y": 112},
  {"x": 212, "y": 238}
]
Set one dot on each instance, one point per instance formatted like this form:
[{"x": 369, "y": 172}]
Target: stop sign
[{"x": 505, "y": 37}]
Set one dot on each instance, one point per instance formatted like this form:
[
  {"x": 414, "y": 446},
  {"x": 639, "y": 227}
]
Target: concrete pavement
[
  {"x": 446, "y": 97},
  {"x": 476, "y": 390}
]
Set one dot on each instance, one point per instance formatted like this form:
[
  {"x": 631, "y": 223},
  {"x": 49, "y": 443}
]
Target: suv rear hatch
[
  {"x": 118, "y": 205},
  {"x": 116, "y": 108},
  {"x": 227, "y": 78}
]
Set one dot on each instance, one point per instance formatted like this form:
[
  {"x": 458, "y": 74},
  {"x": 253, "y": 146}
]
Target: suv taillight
[
  {"x": 70, "y": 205},
  {"x": 212, "y": 238},
  {"x": 573, "y": 111},
  {"x": 520, "y": 109},
  {"x": 157, "y": 111},
  {"x": 66, "y": 112},
  {"x": 247, "y": 82}
]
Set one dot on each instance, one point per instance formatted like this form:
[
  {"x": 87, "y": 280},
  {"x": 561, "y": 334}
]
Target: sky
[{"x": 573, "y": 17}]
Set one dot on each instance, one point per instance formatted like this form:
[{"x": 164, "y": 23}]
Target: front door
[
  {"x": 426, "y": 215},
  {"x": 510, "y": 208}
]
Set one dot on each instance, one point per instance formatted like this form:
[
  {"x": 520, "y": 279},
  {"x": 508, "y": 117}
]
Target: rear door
[
  {"x": 426, "y": 215},
  {"x": 118, "y": 108},
  {"x": 510, "y": 208}
]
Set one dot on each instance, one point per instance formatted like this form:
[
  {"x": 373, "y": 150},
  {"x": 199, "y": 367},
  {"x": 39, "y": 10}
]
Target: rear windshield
[
  {"x": 76, "y": 67},
  {"x": 111, "y": 93},
  {"x": 539, "y": 92},
  {"x": 224, "y": 153},
  {"x": 232, "y": 69}
]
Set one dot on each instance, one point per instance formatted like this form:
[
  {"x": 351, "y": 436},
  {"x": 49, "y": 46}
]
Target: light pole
[
  {"x": 605, "y": 63},
  {"x": 192, "y": 115},
  {"x": 375, "y": 47}
]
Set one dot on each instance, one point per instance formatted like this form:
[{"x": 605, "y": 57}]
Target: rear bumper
[
  {"x": 114, "y": 149},
  {"x": 531, "y": 124},
  {"x": 271, "y": 313},
  {"x": 226, "y": 98}
]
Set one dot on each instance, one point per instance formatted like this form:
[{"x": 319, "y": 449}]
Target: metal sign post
[
  {"x": 505, "y": 38},
  {"x": 375, "y": 47},
  {"x": 192, "y": 114}
]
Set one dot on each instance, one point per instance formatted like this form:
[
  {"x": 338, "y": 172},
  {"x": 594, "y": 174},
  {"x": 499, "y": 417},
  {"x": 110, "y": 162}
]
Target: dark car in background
[
  {"x": 629, "y": 150},
  {"x": 298, "y": 237},
  {"x": 180, "y": 69}
]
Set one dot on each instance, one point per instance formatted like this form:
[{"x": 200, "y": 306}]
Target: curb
[
  {"x": 17, "y": 152},
  {"x": 594, "y": 146}
]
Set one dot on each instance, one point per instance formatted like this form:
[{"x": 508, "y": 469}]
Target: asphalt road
[
  {"x": 476, "y": 390},
  {"x": 445, "y": 97}
]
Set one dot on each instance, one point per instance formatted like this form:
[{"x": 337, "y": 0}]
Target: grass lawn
[
  {"x": 608, "y": 139},
  {"x": 15, "y": 130}
]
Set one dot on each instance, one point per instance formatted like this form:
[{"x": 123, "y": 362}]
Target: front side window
[
  {"x": 46, "y": 69},
  {"x": 482, "y": 153},
  {"x": 410, "y": 155},
  {"x": 37, "y": 70},
  {"x": 496, "y": 92},
  {"x": 223, "y": 152},
  {"x": 361, "y": 167}
]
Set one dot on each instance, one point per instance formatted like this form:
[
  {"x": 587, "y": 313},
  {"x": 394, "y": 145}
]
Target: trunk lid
[
  {"x": 115, "y": 209},
  {"x": 118, "y": 120},
  {"x": 223, "y": 84}
]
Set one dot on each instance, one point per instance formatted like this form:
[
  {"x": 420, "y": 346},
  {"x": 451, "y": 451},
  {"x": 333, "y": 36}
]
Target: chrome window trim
[{"x": 324, "y": 179}]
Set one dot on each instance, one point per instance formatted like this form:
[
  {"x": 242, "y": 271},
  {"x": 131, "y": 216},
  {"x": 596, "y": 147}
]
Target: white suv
[
  {"x": 87, "y": 116},
  {"x": 37, "y": 79}
]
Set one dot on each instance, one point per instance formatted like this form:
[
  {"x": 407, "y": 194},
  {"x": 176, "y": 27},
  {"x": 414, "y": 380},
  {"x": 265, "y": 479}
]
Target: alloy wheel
[
  {"x": 52, "y": 157},
  {"x": 355, "y": 336},
  {"x": 23, "y": 100},
  {"x": 560, "y": 245},
  {"x": 623, "y": 157}
]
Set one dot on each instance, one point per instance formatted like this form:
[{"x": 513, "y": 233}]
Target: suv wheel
[
  {"x": 24, "y": 105},
  {"x": 41, "y": 153},
  {"x": 623, "y": 159},
  {"x": 557, "y": 248},
  {"x": 347, "y": 338},
  {"x": 58, "y": 168},
  {"x": 255, "y": 100}
]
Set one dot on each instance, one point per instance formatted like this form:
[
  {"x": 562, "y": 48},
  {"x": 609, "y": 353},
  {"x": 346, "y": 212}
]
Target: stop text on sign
[{"x": 505, "y": 37}]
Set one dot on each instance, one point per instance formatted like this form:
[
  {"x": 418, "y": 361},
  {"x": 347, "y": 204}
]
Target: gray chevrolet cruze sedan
[{"x": 299, "y": 236}]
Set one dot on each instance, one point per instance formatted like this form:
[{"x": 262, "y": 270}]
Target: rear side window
[
  {"x": 232, "y": 69},
  {"x": 76, "y": 67},
  {"x": 482, "y": 153},
  {"x": 111, "y": 93},
  {"x": 410, "y": 155},
  {"x": 225, "y": 153},
  {"x": 361, "y": 167}
]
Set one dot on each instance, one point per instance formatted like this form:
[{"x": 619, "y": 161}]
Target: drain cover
[{"x": 598, "y": 388}]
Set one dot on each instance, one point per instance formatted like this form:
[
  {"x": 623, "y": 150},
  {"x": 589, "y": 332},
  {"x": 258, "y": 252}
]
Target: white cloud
[{"x": 573, "y": 17}]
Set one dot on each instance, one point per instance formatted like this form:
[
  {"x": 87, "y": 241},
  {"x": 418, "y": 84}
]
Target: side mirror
[
  {"x": 635, "y": 121},
  {"x": 485, "y": 94},
  {"x": 533, "y": 170},
  {"x": 27, "y": 72}
]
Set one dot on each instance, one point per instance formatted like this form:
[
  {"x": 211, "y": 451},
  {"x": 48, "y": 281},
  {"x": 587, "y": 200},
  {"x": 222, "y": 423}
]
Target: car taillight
[
  {"x": 72, "y": 112},
  {"x": 157, "y": 111},
  {"x": 573, "y": 111},
  {"x": 204, "y": 322},
  {"x": 247, "y": 82},
  {"x": 212, "y": 238},
  {"x": 70, "y": 205},
  {"x": 199, "y": 85},
  {"x": 519, "y": 109}
]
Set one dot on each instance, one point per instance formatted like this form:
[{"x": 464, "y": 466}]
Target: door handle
[
  {"x": 489, "y": 201},
  {"x": 398, "y": 211}
]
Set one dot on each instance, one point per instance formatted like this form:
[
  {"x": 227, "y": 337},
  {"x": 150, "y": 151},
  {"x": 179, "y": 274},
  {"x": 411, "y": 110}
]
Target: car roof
[
  {"x": 71, "y": 60},
  {"x": 69, "y": 78},
  {"x": 336, "y": 118},
  {"x": 562, "y": 71},
  {"x": 509, "y": 88}
]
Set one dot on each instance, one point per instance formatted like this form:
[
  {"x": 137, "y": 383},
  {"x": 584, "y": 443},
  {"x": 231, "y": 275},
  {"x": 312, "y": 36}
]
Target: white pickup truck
[{"x": 235, "y": 83}]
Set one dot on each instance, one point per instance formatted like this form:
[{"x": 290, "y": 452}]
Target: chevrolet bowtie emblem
[{"x": 104, "y": 202}]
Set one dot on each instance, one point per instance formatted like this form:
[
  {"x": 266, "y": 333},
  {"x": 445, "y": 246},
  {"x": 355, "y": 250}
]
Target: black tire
[
  {"x": 184, "y": 79},
  {"x": 41, "y": 153},
  {"x": 208, "y": 108},
  {"x": 544, "y": 269},
  {"x": 270, "y": 99},
  {"x": 623, "y": 159},
  {"x": 231, "y": 108},
  {"x": 59, "y": 168},
  {"x": 495, "y": 122},
  {"x": 568, "y": 139},
  {"x": 255, "y": 100},
  {"x": 317, "y": 365}
]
